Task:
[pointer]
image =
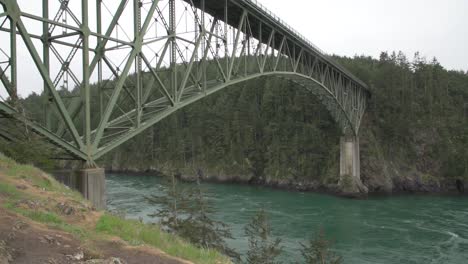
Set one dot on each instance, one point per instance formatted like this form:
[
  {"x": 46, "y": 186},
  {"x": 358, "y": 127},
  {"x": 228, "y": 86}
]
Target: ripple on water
[{"x": 403, "y": 229}]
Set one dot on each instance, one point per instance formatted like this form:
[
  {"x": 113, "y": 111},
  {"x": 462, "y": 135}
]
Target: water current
[{"x": 396, "y": 229}]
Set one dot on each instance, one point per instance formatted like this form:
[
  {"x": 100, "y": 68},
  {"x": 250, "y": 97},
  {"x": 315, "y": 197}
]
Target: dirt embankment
[
  {"x": 42, "y": 222},
  {"x": 24, "y": 241}
]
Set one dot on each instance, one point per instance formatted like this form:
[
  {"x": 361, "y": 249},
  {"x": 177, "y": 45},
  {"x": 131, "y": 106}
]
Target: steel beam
[
  {"x": 8, "y": 110},
  {"x": 113, "y": 100},
  {"x": 255, "y": 44}
]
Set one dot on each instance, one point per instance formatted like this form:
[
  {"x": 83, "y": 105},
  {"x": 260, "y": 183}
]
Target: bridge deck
[
  {"x": 260, "y": 15},
  {"x": 127, "y": 104}
]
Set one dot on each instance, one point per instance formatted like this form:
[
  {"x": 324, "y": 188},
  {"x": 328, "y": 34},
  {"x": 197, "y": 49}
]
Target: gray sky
[
  {"x": 436, "y": 28},
  {"x": 347, "y": 27}
]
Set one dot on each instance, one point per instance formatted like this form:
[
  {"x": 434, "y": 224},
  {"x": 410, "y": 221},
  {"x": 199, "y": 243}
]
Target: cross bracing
[{"x": 111, "y": 69}]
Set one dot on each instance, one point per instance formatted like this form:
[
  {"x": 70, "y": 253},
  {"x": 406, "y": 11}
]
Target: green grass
[
  {"x": 44, "y": 217},
  {"x": 6, "y": 162},
  {"x": 32, "y": 174},
  {"x": 36, "y": 177},
  {"x": 43, "y": 181},
  {"x": 54, "y": 221},
  {"x": 10, "y": 191},
  {"x": 50, "y": 219},
  {"x": 134, "y": 232},
  {"x": 137, "y": 233}
]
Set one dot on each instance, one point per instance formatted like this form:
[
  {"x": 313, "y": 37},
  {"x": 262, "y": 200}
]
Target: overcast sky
[{"x": 436, "y": 28}]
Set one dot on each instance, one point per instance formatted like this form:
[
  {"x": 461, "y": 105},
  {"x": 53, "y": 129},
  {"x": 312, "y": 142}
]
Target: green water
[{"x": 401, "y": 229}]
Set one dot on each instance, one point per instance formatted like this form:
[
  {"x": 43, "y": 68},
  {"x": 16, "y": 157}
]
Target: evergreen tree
[
  {"x": 317, "y": 251},
  {"x": 270, "y": 129},
  {"x": 174, "y": 203},
  {"x": 201, "y": 229},
  {"x": 187, "y": 213},
  {"x": 263, "y": 248}
]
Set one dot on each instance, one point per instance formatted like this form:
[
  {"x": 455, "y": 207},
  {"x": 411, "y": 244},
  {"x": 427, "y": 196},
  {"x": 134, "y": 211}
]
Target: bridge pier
[
  {"x": 350, "y": 183},
  {"x": 92, "y": 184},
  {"x": 89, "y": 182}
]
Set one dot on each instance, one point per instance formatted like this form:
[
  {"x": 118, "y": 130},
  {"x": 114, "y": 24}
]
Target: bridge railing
[
  {"x": 328, "y": 57},
  {"x": 282, "y": 22}
]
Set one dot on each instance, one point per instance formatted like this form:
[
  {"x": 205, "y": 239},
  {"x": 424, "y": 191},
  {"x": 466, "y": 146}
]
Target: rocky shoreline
[
  {"x": 381, "y": 174},
  {"x": 399, "y": 186}
]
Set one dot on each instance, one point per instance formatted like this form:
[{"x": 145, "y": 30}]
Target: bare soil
[{"x": 24, "y": 241}]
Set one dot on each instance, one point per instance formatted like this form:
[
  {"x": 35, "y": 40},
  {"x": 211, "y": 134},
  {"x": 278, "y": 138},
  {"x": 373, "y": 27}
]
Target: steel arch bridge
[{"x": 131, "y": 63}]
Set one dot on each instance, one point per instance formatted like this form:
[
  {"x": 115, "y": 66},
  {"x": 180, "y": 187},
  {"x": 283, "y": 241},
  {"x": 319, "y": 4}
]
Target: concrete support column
[
  {"x": 92, "y": 184},
  {"x": 89, "y": 182},
  {"x": 350, "y": 156},
  {"x": 350, "y": 166}
]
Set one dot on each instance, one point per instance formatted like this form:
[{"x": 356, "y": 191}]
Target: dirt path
[{"x": 24, "y": 241}]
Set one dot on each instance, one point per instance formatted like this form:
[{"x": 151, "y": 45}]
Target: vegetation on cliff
[
  {"x": 69, "y": 225},
  {"x": 263, "y": 248},
  {"x": 186, "y": 211},
  {"x": 414, "y": 136}
]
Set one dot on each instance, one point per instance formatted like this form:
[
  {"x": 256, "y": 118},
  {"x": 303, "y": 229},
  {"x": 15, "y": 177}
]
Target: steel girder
[{"x": 177, "y": 52}]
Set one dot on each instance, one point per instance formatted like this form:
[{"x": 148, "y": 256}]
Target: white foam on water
[{"x": 452, "y": 234}]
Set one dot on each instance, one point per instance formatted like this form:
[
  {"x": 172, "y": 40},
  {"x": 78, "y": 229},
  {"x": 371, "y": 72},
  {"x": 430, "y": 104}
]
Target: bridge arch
[
  {"x": 333, "y": 105},
  {"x": 226, "y": 42},
  {"x": 349, "y": 143}
]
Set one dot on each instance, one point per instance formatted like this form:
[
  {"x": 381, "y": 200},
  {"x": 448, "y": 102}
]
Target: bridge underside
[
  {"x": 109, "y": 72},
  {"x": 157, "y": 110}
]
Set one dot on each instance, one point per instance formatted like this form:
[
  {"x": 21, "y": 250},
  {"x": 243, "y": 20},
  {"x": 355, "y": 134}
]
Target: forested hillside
[
  {"x": 265, "y": 129},
  {"x": 416, "y": 129},
  {"x": 414, "y": 136}
]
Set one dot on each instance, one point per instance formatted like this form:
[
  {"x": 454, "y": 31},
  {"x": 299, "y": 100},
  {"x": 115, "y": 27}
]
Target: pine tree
[
  {"x": 317, "y": 251},
  {"x": 187, "y": 213},
  {"x": 201, "y": 229},
  {"x": 173, "y": 204},
  {"x": 263, "y": 249}
]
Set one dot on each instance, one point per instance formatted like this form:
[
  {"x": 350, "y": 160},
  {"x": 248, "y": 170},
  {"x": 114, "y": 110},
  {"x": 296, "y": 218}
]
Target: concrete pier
[
  {"x": 89, "y": 182},
  {"x": 350, "y": 167}
]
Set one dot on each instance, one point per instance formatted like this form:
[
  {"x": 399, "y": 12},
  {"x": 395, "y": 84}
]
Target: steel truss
[{"x": 141, "y": 60}]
